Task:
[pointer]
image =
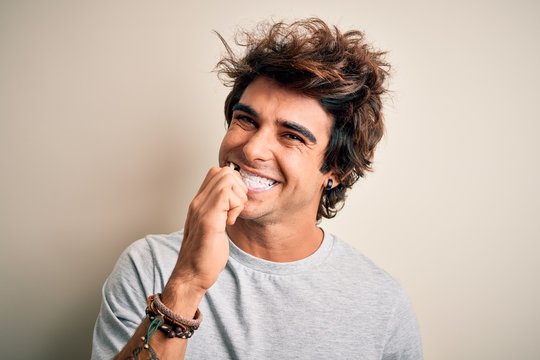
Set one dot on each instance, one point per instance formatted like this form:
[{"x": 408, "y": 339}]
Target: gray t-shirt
[{"x": 334, "y": 304}]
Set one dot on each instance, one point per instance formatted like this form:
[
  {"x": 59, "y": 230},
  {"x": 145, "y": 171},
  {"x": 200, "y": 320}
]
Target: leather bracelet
[
  {"x": 171, "y": 324},
  {"x": 158, "y": 305}
]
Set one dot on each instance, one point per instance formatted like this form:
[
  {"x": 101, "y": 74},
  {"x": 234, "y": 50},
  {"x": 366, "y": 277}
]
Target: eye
[
  {"x": 294, "y": 137},
  {"x": 244, "y": 120}
]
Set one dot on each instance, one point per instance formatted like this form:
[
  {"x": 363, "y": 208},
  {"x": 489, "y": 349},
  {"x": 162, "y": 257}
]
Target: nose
[{"x": 259, "y": 146}]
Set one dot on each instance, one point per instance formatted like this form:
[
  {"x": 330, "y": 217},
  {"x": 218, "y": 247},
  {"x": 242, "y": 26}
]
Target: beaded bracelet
[{"x": 171, "y": 324}]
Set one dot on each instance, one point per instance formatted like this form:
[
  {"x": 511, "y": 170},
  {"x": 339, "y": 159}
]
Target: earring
[{"x": 329, "y": 185}]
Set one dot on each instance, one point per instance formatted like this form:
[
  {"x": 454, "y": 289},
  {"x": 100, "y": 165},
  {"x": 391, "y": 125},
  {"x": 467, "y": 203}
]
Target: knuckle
[
  {"x": 213, "y": 170},
  {"x": 195, "y": 204}
]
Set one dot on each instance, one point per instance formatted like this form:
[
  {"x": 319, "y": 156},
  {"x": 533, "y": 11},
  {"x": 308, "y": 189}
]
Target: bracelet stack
[{"x": 171, "y": 324}]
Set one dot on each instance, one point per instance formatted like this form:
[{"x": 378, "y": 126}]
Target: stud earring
[{"x": 329, "y": 185}]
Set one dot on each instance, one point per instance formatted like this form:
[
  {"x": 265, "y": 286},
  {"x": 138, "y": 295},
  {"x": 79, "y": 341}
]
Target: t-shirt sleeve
[
  {"x": 123, "y": 300},
  {"x": 403, "y": 334}
]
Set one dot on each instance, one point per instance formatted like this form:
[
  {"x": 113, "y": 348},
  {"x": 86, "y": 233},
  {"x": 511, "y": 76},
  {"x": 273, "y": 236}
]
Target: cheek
[
  {"x": 223, "y": 148},
  {"x": 231, "y": 137},
  {"x": 305, "y": 168},
  {"x": 230, "y": 141}
]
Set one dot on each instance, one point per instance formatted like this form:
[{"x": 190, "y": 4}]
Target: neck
[{"x": 276, "y": 242}]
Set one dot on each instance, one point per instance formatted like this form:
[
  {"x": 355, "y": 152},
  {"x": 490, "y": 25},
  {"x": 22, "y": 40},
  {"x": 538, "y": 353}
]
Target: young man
[{"x": 304, "y": 118}]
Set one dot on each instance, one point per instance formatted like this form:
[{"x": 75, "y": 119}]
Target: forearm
[
  {"x": 164, "y": 347},
  {"x": 180, "y": 299}
]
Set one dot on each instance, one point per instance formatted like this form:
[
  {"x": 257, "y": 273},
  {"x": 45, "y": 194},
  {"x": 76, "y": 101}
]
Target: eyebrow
[
  {"x": 299, "y": 128},
  {"x": 285, "y": 123},
  {"x": 245, "y": 108}
]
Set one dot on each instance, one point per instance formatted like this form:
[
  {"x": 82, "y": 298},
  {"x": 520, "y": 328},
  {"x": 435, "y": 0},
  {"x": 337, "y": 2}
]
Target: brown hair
[{"x": 339, "y": 69}]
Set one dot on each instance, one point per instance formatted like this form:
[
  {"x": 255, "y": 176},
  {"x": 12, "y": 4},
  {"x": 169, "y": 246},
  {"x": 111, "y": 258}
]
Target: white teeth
[
  {"x": 253, "y": 181},
  {"x": 256, "y": 182}
]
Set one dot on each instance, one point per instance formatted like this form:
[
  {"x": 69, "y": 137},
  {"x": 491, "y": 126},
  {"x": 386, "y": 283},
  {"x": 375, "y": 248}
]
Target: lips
[{"x": 254, "y": 182}]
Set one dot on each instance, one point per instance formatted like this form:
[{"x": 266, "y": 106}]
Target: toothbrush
[{"x": 234, "y": 166}]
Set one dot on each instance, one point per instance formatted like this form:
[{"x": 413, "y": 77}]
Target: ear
[{"x": 331, "y": 181}]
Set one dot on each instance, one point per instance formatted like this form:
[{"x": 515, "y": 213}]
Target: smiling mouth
[{"x": 252, "y": 181}]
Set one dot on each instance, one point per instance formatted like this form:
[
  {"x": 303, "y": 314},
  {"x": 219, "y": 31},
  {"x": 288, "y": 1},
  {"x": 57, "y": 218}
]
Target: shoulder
[
  {"x": 157, "y": 248},
  {"x": 157, "y": 244},
  {"x": 141, "y": 270},
  {"x": 364, "y": 283},
  {"x": 350, "y": 262},
  {"x": 144, "y": 261},
  {"x": 376, "y": 291}
]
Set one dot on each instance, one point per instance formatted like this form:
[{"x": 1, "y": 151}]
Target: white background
[{"x": 110, "y": 116}]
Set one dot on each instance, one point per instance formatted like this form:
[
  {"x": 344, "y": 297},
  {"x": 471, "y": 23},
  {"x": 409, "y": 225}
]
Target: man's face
[{"x": 278, "y": 137}]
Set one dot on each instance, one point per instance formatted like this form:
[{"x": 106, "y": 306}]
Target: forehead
[{"x": 274, "y": 102}]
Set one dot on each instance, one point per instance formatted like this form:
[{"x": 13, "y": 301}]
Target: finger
[
  {"x": 233, "y": 213},
  {"x": 221, "y": 194},
  {"x": 216, "y": 174},
  {"x": 222, "y": 191},
  {"x": 210, "y": 175},
  {"x": 237, "y": 178}
]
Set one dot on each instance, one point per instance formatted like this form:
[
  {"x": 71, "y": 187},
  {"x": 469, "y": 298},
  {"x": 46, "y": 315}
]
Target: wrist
[{"x": 182, "y": 297}]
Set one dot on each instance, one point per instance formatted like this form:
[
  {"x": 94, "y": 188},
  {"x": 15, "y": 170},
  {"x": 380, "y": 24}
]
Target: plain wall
[{"x": 110, "y": 116}]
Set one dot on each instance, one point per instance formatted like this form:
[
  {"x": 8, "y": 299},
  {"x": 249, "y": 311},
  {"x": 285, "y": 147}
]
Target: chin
[
  {"x": 253, "y": 214},
  {"x": 249, "y": 215}
]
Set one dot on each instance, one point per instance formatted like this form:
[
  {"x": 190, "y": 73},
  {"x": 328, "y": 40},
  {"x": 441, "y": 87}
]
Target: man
[{"x": 304, "y": 118}]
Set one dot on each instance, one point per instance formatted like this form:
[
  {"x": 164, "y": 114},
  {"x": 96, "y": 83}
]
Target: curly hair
[{"x": 338, "y": 69}]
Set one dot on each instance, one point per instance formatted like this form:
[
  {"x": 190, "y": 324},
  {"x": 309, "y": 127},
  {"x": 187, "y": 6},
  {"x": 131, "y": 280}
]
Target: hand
[{"x": 205, "y": 248}]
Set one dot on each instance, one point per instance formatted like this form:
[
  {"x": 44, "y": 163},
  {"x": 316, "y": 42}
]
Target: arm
[
  {"x": 202, "y": 257},
  {"x": 183, "y": 303}
]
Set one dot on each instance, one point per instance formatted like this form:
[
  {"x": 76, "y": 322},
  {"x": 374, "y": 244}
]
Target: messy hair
[{"x": 338, "y": 69}]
